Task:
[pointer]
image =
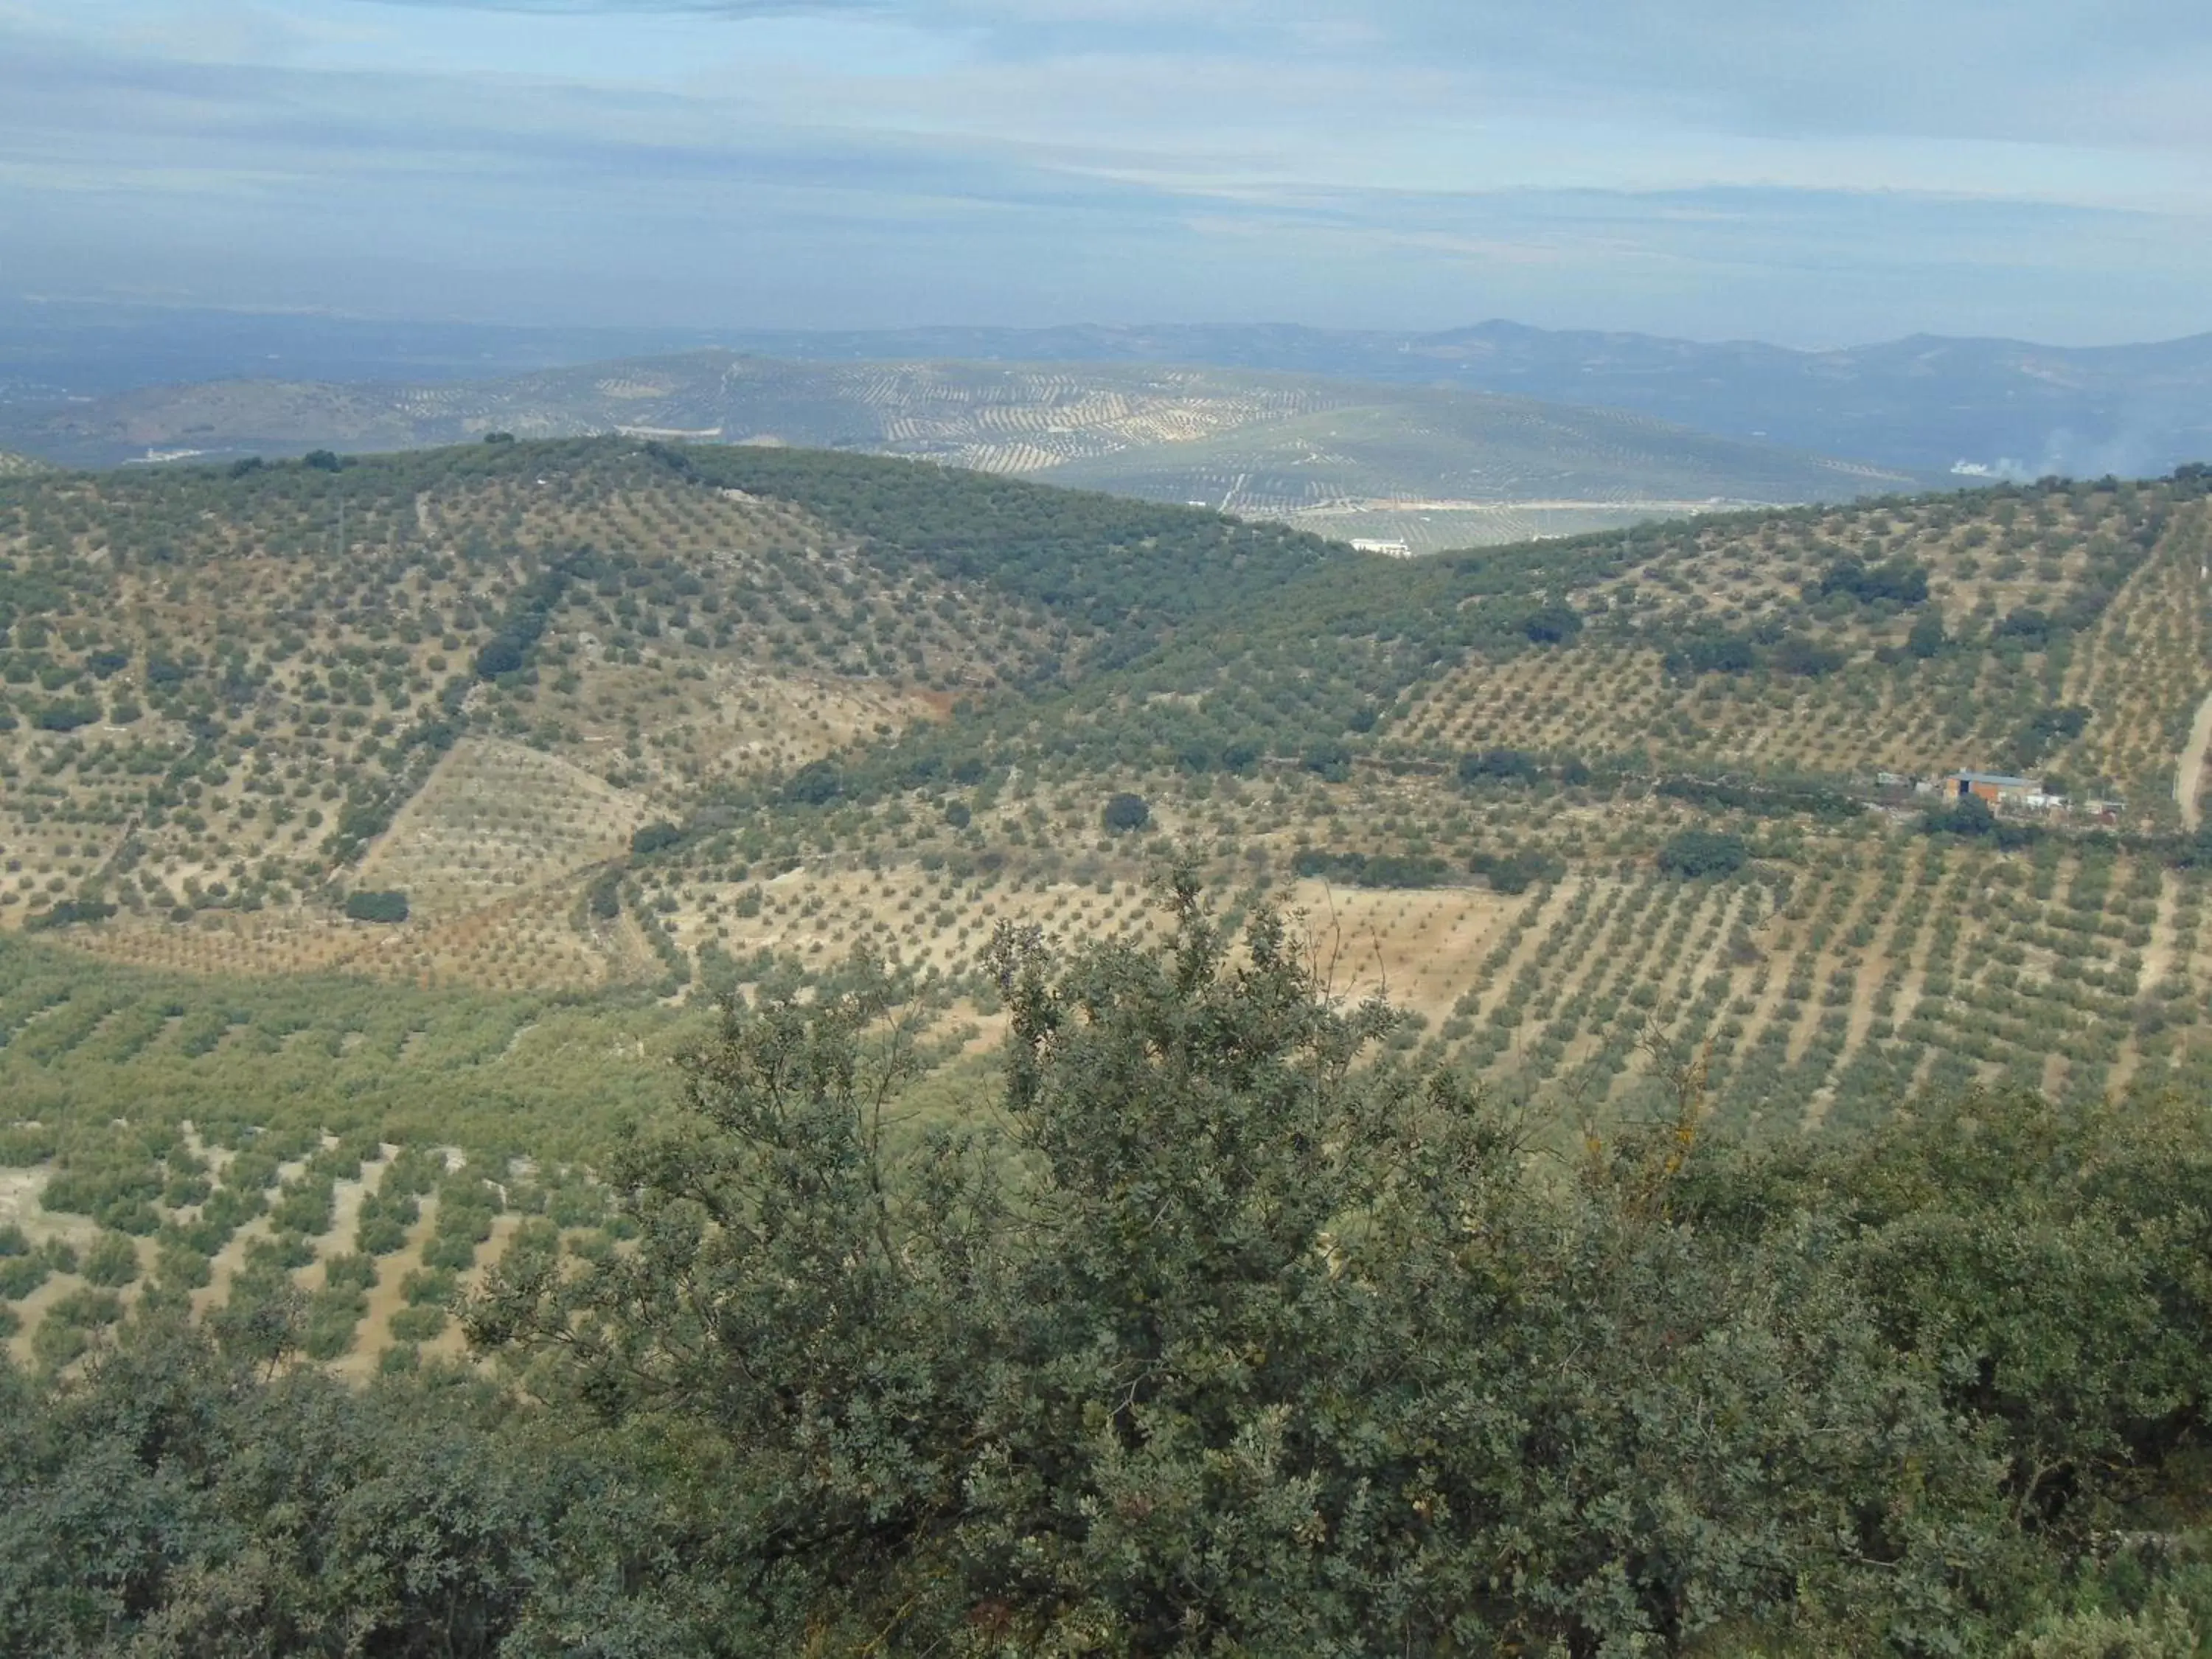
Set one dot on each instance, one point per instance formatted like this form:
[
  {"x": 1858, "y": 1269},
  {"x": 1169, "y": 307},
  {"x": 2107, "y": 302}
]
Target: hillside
[
  {"x": 219, "y": 684},
  {"x": 549, "y": 740},
  {"x": 13, "y": 465},
  {"x": 1434, "y": 469}
]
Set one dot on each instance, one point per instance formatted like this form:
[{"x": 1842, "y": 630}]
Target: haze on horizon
[{"x": 1713, "y": 168}]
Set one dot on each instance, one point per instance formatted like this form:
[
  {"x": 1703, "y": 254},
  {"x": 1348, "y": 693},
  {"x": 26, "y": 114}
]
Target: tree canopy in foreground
[{"x": 1216, "y": 1335}]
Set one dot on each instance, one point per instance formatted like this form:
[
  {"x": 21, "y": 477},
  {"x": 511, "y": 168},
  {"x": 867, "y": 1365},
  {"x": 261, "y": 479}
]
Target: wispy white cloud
[
  {"x": 1702, "y": 165},
  {"x": 649, "y": 8}
]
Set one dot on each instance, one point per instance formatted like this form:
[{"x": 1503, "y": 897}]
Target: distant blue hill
[{"x": 1923, "y": 403}]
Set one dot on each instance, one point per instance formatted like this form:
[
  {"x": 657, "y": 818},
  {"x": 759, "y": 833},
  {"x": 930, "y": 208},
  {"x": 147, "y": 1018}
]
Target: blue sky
[{"x": 1817, "y": 175}]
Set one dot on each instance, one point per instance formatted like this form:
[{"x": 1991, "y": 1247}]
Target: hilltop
[
  {"x": 222, "y": 685},
  {"x": 330, "y": 781},
  {"x": 1430, "y": 468},
  {"x": 477, "y": 675}
]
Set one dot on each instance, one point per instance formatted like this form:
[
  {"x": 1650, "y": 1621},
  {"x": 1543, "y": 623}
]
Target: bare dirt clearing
[{"x": 2189, "y": 777}]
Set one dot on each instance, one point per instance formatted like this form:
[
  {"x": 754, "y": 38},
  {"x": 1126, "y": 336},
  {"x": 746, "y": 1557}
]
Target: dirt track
[{"x": 2190, "y": 774}]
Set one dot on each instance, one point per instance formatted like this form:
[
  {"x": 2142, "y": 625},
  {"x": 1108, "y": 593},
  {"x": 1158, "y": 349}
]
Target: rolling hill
[
  {"x": 1430, "y": 468},
  {"x": 1916, "y": 405},
  {"x": 397, "y": 806}
]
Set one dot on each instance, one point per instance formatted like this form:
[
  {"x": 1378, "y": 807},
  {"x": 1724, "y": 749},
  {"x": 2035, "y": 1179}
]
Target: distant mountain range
[
  {"x": 1919, "y": 404},
  {"x": 1922, "y": 403},
  {"x": 1353, "y": 459}
]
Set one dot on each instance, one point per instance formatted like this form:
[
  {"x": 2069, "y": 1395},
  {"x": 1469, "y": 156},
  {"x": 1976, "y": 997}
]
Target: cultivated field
[
  {"x": 1252, "y": 443},
  {"x": 374, "y": 832}
]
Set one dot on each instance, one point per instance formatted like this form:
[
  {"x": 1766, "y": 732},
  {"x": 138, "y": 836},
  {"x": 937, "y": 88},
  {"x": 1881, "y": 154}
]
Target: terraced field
[
  {"x": 495, "y": 820},
  {"x": 248, "y": 1137},
  {"x": 1863, "y": 956},
  {"x": 623, "y": 728},
  {"x": 2141, "y": 664},
  {"x": 368, "y": 1245},
  {"x": 210, "y": 700}
]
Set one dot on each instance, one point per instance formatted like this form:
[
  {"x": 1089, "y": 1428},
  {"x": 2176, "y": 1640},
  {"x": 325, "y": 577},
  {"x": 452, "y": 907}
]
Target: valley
[
  {"x": 1918, "y": 405},
  {"x": 427, "y": 801},
  {"x": 1438, "y": 468},
  {"x": 719, "y": 938}
]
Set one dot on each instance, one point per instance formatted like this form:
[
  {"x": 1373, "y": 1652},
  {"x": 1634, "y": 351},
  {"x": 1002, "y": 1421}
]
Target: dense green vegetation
[
  {"x": 1122, "y": 569},
  {"x": 101, "y": 1064},
  {"x": 1603, "y": 1302},
  {"x": 383, "y": 905},
  {"x": 1251, "y": 1345}
]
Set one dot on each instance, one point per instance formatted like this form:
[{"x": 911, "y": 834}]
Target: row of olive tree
[{"x": 1215, "y": 1335}]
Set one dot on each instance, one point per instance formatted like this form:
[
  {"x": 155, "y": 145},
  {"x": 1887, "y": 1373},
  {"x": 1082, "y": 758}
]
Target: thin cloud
[
  {"x": 648, "y": 8},
  {"x": 1869, "y": 170}
]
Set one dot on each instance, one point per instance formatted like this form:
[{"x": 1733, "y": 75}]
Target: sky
[{"x": 1814, "y": 175}]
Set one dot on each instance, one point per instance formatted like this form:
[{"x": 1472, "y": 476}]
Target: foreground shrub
[
  {"x": 1221, "y": 1335},
  {"x": 1264, "y": 1344}
]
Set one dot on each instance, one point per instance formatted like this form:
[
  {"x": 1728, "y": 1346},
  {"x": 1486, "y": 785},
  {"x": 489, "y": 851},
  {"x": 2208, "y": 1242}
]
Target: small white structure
[{"x": 1388, "y": 549}]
